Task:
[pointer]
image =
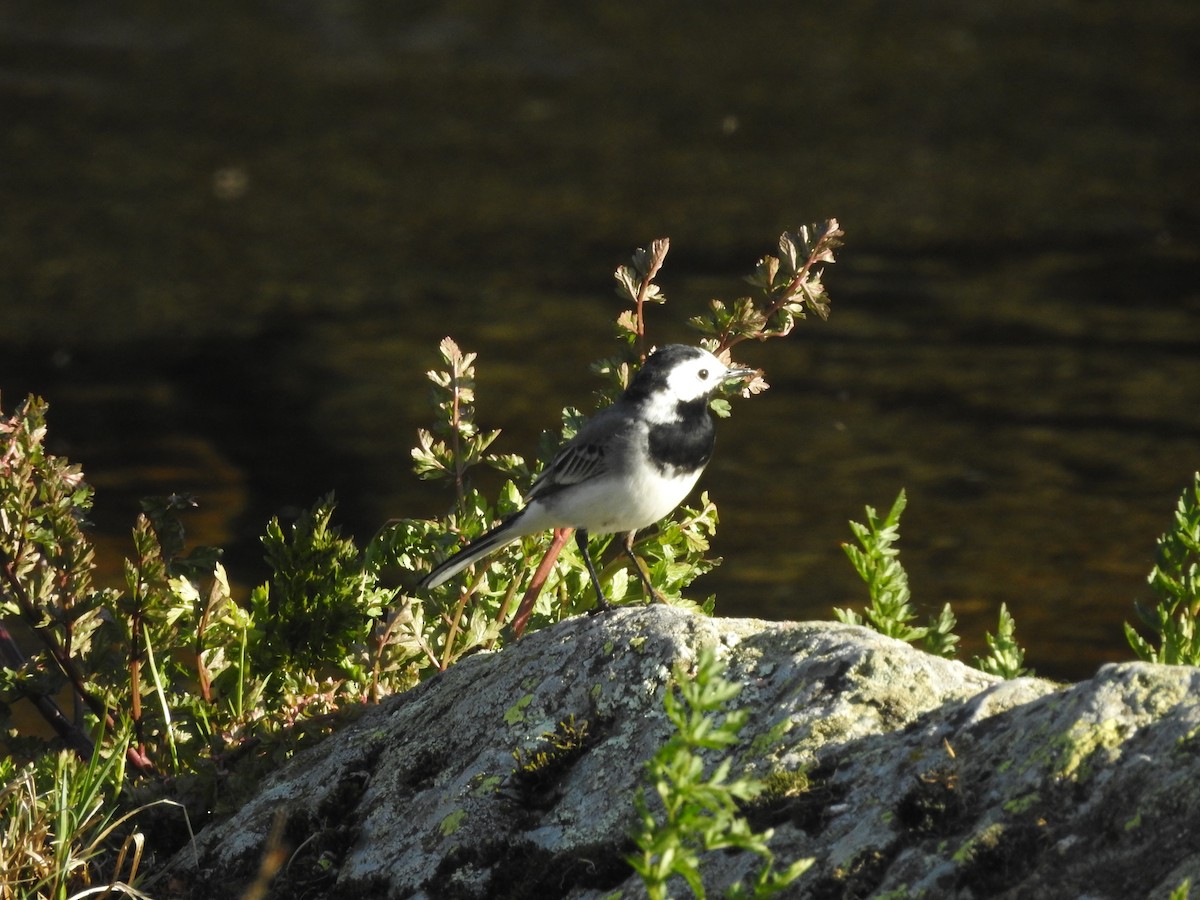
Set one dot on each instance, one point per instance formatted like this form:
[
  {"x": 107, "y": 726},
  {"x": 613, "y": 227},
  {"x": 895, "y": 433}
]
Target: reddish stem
[{"x": 521, "y": 619}]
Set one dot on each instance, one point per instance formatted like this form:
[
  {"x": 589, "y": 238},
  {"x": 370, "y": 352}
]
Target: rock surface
[{"x": 925, "y": 777}]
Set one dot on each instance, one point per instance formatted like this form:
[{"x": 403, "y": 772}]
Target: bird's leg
[
  {"x": 640, "y": 569},
  {"x": 581, "y": 538}
]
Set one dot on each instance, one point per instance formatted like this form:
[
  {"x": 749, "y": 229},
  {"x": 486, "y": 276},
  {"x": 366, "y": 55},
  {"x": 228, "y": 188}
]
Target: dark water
[{"x": 233, "y": 234}]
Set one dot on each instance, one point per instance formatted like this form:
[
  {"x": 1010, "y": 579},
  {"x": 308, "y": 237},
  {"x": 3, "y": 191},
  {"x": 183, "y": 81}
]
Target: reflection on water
[{"x": 232, "y": 238}]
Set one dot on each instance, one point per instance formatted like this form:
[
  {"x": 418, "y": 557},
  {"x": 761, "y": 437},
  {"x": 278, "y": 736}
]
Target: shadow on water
[{"x": 232, "y": 240}]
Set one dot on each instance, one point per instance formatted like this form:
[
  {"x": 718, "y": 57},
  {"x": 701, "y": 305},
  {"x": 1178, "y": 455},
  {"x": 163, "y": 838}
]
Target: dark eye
[{"x": 703, "y": 373}]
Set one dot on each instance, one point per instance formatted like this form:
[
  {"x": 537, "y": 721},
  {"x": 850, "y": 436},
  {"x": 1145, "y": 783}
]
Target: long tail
[{"x": 504, "y": 533}]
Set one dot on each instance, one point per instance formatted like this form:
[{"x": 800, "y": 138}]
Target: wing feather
[
  {"x": 592, "y": 453},
  {"x": 574, "y": 463}
]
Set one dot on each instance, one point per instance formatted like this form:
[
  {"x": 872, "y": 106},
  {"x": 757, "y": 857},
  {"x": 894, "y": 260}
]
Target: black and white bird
[{"x": 626, "y": 468}]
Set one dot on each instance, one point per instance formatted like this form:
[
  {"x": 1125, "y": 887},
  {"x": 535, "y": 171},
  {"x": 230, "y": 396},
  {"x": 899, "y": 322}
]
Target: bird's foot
[{"x": 602, "y": 606}]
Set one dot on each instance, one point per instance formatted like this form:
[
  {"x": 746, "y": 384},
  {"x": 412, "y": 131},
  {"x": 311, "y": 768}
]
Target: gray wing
[{"x": 590, "y": 454}]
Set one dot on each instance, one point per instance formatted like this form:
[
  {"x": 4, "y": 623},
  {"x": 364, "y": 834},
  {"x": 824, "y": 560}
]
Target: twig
[{"x": 658, "y": 253}]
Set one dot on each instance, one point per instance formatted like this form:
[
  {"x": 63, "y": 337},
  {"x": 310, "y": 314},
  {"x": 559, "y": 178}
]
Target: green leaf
[
  {"x": 700, "y": 813},
  {"x": 876, "y": 560},
  {"x": 1006, "y": 658},
  {"x": 1175, "y": 579}
]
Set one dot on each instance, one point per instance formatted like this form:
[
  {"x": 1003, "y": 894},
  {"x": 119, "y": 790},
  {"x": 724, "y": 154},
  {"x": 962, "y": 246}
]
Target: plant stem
[
  {"x": 658, "y": 253},
  {"x": 455, "y": 447},
  {"x": 521, "y": 619},
  {"x": 448, "y": 650}
]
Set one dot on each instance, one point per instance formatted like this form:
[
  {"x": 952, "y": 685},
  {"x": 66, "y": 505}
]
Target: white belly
[{"x": 609, "y": 505}]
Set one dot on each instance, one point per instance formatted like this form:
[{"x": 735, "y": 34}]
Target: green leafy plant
[
  {"x": 700, "y": 804},
  {"x": 791, "y": 287},
  {"x": 45, "y": 576},
  {"x": 1005, "y": 656},
  {"x": 1175, "y": 578},
  {"x": 890, "y": 612},
  {"x": 165, "y": 674},
  {"x": 315, "y": 597},
  {"x": 61, "y": 831}
]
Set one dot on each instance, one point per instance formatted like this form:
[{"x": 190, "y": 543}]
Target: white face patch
[{"x": 695, "y": 378}]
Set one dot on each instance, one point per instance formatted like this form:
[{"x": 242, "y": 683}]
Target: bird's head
[{"x": 682, "y": 374}]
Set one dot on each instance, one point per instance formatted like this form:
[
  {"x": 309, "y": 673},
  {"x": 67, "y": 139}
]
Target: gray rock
[{"x": 925, "y": 777}]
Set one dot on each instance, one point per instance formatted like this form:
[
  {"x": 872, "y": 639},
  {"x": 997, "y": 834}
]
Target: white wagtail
[{"x": 626, "y": 468}]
